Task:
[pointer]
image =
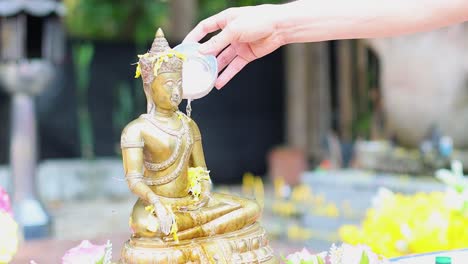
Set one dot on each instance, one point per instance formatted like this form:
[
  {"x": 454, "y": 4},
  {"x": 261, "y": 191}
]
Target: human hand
[{"x": 247, "y": 33}]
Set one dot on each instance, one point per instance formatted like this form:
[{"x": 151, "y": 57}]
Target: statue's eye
[{"x": 169, "y": 83}]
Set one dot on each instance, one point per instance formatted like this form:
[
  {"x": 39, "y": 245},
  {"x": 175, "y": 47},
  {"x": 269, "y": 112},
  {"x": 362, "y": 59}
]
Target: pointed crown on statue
[{"x": 159, "y": 59}]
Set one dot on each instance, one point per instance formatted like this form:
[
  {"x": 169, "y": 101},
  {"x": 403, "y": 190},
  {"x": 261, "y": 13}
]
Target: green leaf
[
  {"x": 320, "y": 260},
  {"x": 101, "y": 261},
  {"x": 364, "y": 258},
  {"x": 85, "y": 133},
  {"x": 284, "y": 259}
]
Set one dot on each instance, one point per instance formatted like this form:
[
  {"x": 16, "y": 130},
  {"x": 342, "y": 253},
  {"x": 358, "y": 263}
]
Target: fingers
[
  {"x": 226, "y": 57},
  {"x": 166, "y": 225},
  {"x": 234, "y": 67},
  {"x": 207, "y": 26},
  {"x": 164, "y": 219},
  {"x": 220, "y": 41}
]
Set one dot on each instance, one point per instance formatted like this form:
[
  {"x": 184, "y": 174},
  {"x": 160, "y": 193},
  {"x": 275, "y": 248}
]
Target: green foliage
[
  {"x": 125, "y": 106},
  {"x": 115, "y": 19},
  {"x": 130, "y": 101},
  {"x": 133, "y": 20},
  {"x": 82, "y": 56},
  {"x": 211, "y": 7},
  {"x": 365, "y": 105},
  {"x": 362, "y": 124}
]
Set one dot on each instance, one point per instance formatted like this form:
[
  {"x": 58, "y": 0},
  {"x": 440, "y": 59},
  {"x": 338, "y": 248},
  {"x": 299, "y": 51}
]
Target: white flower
[
  {"x": 406, "y": 231},
  {"x": 454, "y": 200},
  {"x": 305, "y": 255},
  {"x": 402, "y": 245},
  {"x": 457, "y": 168},
  {"x": 353, "y": 254},
  {"x": 446, "y": 176},
  {"x": 347, "y": 254},
  {"x": 383, "y": 194},
  {"x": 336, "y": 254},
  {"x": 453, "y": 177}
]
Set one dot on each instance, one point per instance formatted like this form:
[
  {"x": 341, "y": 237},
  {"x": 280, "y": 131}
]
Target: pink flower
[
  {"x": 5, "y": 205},
  {"x": 86, "y": 253}
]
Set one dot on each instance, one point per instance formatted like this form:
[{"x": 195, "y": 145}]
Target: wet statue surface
[{"x": 177, "y": 219}]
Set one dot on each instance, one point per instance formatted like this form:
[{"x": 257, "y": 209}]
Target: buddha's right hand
[
  {"x": 163, "y": 213},
  {"x": 165, "y": 217}
]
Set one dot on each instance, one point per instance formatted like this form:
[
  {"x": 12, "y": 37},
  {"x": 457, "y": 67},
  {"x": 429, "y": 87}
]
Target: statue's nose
[{"x": 177, "y": 90}]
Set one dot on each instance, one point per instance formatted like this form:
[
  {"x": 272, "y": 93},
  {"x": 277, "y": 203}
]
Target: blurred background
[{"x": 330, "y": 122}]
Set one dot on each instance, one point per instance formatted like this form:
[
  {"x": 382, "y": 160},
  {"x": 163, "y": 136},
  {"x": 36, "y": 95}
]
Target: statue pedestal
[{"x": 248, "y": 245}]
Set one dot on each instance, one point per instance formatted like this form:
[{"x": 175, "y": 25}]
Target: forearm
[
  {"x": 140, "y": 189},
  {"x": 132, "y": 156},
  {"x": 319, "y": 20}
]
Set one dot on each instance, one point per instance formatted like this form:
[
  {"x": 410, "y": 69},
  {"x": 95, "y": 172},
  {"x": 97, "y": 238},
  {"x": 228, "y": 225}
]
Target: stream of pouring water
[
  {"x": 197, "y": 82},
  {"x": 188, "y": 109}
]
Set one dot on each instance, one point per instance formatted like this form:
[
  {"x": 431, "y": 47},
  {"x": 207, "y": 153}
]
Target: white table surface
[{"x": 458, "y": 257}]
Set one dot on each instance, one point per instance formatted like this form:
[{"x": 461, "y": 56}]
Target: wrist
[
  {"x": 311, "y": 21},
  {"x": 291, "y": 19},
  {"x": 281, "y": 15},
  {"x": 152, "y": 198}
]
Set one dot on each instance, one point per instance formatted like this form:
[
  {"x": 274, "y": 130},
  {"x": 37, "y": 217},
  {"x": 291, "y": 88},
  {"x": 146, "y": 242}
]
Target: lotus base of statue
[{"x": 248, "y": 245}]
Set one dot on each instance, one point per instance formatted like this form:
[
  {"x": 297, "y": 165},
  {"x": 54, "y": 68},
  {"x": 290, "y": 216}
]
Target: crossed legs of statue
[{"x": 223, "y": 214}]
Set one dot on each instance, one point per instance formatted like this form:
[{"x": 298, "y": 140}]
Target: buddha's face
[{"x": 167, "y": 90}]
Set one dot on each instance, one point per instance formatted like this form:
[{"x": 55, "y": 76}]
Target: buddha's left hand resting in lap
[{"x": 165, "y": 166}]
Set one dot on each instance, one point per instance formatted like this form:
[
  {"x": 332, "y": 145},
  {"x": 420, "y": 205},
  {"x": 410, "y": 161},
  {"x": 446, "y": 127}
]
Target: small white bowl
[{"x": 199, "y": 71}]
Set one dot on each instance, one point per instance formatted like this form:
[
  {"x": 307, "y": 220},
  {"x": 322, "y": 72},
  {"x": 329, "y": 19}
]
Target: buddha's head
[{"x": 161, "y": 71}]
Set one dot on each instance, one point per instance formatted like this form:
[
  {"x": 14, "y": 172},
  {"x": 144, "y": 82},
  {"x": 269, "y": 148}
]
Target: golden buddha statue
[{"x": 177, "y": 219}]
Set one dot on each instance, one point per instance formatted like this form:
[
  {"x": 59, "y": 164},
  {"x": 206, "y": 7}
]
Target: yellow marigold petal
[
  {"x": 174, "y": 229},
  {"x": 149, "y": 208},
  {"x": 138, "y": 71}
]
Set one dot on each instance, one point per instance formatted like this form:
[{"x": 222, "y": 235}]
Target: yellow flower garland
[
  {"x": 410, "y": 224},
  {"x": 195, "y": 177}
]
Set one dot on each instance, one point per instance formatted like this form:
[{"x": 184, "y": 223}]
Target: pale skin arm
[{"x": 249, "y": 33}]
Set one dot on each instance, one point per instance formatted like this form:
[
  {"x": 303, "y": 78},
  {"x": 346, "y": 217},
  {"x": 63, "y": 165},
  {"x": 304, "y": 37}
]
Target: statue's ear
[{"x": 149, "y": 100}]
